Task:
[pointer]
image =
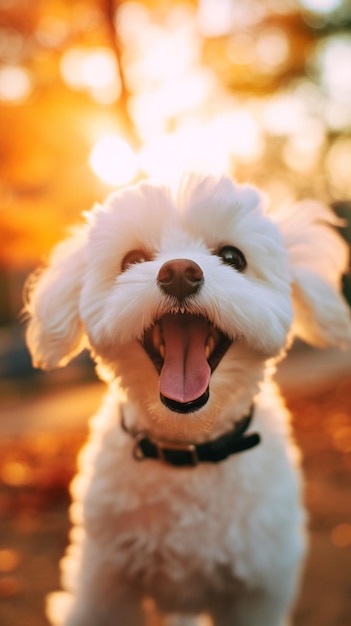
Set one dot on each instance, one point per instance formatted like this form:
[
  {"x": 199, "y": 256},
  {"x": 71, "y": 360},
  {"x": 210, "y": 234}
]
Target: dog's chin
[
  {"x": 185, "y": 349},
  {"x": 186, "y": 407}
]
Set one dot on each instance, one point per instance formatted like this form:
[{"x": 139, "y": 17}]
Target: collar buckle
[
  {"x": 163, "y": 447},
  {"x": 165, "y": 450}
]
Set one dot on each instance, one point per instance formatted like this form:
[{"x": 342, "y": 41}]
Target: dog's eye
[
  {"x": 135, "y": 256},
  {"x": 233, "y": 256}
]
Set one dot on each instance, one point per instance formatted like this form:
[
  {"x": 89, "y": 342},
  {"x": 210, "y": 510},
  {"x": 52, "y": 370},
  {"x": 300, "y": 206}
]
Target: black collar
[{"x": 182, "y": 454}]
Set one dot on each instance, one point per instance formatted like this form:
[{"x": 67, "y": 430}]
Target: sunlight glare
[
  {"x": 113, "y": 161},
  {"x": 240, "y": 133},
  {"x": 159, "y": 55},
  {"x": 190, "y": 148},
  {"x": 152, "y": 110},
  {"x": 167, "y": 55}
]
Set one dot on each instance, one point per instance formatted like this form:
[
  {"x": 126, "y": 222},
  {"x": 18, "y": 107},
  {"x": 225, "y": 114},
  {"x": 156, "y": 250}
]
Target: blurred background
[{"x": 96, "y": 94}]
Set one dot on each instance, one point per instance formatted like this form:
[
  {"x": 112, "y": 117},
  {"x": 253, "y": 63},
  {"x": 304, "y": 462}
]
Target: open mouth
[{"x": 185, "y": 350}]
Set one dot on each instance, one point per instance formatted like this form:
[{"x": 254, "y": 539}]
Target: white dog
[{"x": 189, "y": 491}]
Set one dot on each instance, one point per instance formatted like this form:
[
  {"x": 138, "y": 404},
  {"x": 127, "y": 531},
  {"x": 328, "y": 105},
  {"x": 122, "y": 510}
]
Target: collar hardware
[
  {"x": 188, "y": 454},
  {"x": 170, "y": 452}
]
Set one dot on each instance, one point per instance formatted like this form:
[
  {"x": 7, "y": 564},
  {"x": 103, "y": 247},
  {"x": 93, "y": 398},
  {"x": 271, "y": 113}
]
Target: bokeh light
[
  {"x": 15, "y": 473},
  {"x": 250, "y": 88},
  {"x": 321, "y": 6},
  {"x": 334, "y": 61},
  {"x": 341, "y": 535},
  {"x": 52, "y": 31},
  {"x": 93, "y": 70},
  {"x": 239, "y": 134},
  {"x": 272, "y": 48},
  {"x": 9, "y": 560},
  {"x": 215, "y": 17},
  {"x": 113, "y": 160},
  {"x": 302, "y": 150},
  {"x": 338, "y": 167},
  {"x": 15, "y": 84}
]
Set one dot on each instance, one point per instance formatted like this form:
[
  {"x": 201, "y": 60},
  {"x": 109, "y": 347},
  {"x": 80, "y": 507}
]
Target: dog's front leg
[{"x": 97, "y": 592}]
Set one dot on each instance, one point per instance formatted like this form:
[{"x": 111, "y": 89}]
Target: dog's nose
[{"x": 180, "y": 278}]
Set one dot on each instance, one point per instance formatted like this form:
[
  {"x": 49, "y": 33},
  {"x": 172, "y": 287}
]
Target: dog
[{"x": 189, "y": 499}]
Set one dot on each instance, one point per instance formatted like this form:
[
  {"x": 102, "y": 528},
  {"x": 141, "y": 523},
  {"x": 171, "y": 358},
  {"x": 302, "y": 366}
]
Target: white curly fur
[{"x": 225, "y": 539}]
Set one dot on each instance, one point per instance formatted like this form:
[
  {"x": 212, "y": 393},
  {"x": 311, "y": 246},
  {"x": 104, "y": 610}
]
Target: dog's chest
[
  {"x": 201, "y": 529},
  {"x": 166, "y": 526}
]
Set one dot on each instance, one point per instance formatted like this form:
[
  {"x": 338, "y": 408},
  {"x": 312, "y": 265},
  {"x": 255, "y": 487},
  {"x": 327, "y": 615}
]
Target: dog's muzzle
[{"x": 185, "y": 348}]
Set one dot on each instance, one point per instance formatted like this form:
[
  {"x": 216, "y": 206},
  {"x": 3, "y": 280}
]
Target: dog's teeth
[
  {"x": 210, "y": 346},
  {"x": 158, "y": 341}
]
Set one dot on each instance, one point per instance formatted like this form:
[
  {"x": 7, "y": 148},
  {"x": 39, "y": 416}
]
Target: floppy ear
[
  {"x": 318, "y": 257},
  {"x": 55, "y": 332}
]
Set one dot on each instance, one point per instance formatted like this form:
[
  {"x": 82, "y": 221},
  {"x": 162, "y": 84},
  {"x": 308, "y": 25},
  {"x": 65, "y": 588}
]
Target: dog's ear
[
  {"x": 318, "y": 257},
  {"x": 55, "y": 332}
]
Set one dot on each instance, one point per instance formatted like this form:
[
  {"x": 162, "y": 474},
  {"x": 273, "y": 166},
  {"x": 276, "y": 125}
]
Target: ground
[{"x": 37, "y": 463}]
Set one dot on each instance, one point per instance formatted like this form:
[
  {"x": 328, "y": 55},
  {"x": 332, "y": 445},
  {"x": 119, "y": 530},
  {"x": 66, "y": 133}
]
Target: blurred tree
[{"x": 265, "y": 84}]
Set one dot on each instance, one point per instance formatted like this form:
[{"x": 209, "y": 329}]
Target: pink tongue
[{"x": 185, "y": 373}]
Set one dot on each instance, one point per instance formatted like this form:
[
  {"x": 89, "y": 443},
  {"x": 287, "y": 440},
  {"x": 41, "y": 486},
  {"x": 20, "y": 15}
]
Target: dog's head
[{"x": 185, "y": 294}]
